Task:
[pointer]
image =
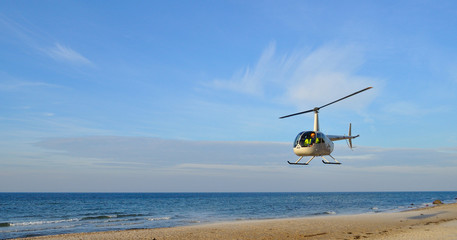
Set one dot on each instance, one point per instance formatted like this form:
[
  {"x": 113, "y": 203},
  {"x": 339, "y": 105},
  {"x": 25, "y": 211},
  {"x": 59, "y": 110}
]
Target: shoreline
[{"x": 433, "y": 222}]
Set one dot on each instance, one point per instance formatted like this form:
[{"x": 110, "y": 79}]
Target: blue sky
[{"x": 185, "y": 96}]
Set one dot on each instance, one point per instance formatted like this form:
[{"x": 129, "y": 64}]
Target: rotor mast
[{"x": 316, "y": 120}]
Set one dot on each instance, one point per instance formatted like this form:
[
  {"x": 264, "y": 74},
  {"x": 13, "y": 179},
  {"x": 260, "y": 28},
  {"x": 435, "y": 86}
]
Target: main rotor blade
[
  {"x": 345, "y": 97},
  {"x": 297, "y": 114},
  {"x": 317, "y": 108}
]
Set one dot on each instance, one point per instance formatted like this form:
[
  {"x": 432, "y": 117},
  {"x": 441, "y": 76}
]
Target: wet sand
[{"x": 437, "y": 222}]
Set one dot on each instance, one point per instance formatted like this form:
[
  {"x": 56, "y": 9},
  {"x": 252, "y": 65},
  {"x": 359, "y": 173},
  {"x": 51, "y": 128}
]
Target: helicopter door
[{"x": 298, "y": 140}]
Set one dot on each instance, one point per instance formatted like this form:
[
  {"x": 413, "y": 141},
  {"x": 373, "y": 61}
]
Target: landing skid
[
  {"x": 330, "y": 162},
  {"x": 291, "y": 163},
  {"x": 325, "y": 161}
]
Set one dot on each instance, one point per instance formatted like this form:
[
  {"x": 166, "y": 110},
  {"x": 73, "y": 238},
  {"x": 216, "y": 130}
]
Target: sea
[{"x": 38, "y": 214}]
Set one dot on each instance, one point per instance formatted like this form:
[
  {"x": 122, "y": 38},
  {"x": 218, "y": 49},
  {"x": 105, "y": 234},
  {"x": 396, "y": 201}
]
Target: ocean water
[{"x": 36, "y": 214}]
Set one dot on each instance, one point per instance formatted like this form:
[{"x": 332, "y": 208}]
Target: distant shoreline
[{"x": 433, "y": 222}]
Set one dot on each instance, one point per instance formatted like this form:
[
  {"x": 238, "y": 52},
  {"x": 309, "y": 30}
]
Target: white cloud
[
  {"x": 230, "y": 167},
  {"x": 251, "y": 81},
  {"x": 407, "y": 108},
  {"x": 304, "y": 78},
  {"x": 31, "y": 36},
  {"x": 182, "y": 165},
  {"x": 66, "y": 54},
  {"x": 167, "y": 152},
  {"x": 221, "y": 154},
  {"x": 10, "y": 83}
]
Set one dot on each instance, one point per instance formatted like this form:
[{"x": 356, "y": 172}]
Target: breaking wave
[
  {"x": 160, "y": 218},
  {"x": 97, "y": 217},
  {"x": 40, "y": 222}
]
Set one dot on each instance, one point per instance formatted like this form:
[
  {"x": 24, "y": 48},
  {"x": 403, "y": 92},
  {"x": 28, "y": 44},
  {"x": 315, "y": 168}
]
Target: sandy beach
[{"x": 437, "y": 222}]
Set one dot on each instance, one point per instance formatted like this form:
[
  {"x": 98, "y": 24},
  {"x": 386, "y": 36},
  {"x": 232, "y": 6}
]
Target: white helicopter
[{"x": 315, "y": 143}]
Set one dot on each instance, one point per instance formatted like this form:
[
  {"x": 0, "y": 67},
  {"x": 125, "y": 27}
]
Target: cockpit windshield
[{"x": 308, "y": 138}]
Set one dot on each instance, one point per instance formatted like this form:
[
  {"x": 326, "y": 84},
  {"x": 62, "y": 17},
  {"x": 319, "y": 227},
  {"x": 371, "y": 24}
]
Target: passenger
[{"x": 307, "y": 142}]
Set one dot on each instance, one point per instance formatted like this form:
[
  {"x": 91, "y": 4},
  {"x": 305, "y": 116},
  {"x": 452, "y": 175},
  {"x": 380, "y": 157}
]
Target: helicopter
[{"x": 315, "y": 143}]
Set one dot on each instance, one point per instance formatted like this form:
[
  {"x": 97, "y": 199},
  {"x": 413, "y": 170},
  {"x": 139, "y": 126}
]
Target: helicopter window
[
  {"x": 320, "y": 138},
  {"x": 297, "y": 139},
  {"x": 304, "y": 139}
]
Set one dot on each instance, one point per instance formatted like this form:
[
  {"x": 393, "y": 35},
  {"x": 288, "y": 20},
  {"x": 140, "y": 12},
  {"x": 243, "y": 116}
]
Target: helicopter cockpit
[{"x": 305, "y": 139}]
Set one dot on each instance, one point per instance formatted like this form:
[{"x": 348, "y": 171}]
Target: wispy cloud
[
  {"x": 180, "y": 165},
  {"x": 66, "y": 54},
  {"x": 408, "y": 108},
  {"x": 222, "y": 154},
  {"x": 303, "y": 78},
  {"x": 19, "y": 31},
  {"x": 230, "y": 167},
  {"x": 252, "y": 80},
  {"x": 169, "y": 152},
  {"x": 16, "y": 85},
  {"x": 10, "y": 83},
  {"x": 35, "y": 39}
]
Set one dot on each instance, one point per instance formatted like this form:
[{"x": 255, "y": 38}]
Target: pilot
[{"x": 313, "y": 139}]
